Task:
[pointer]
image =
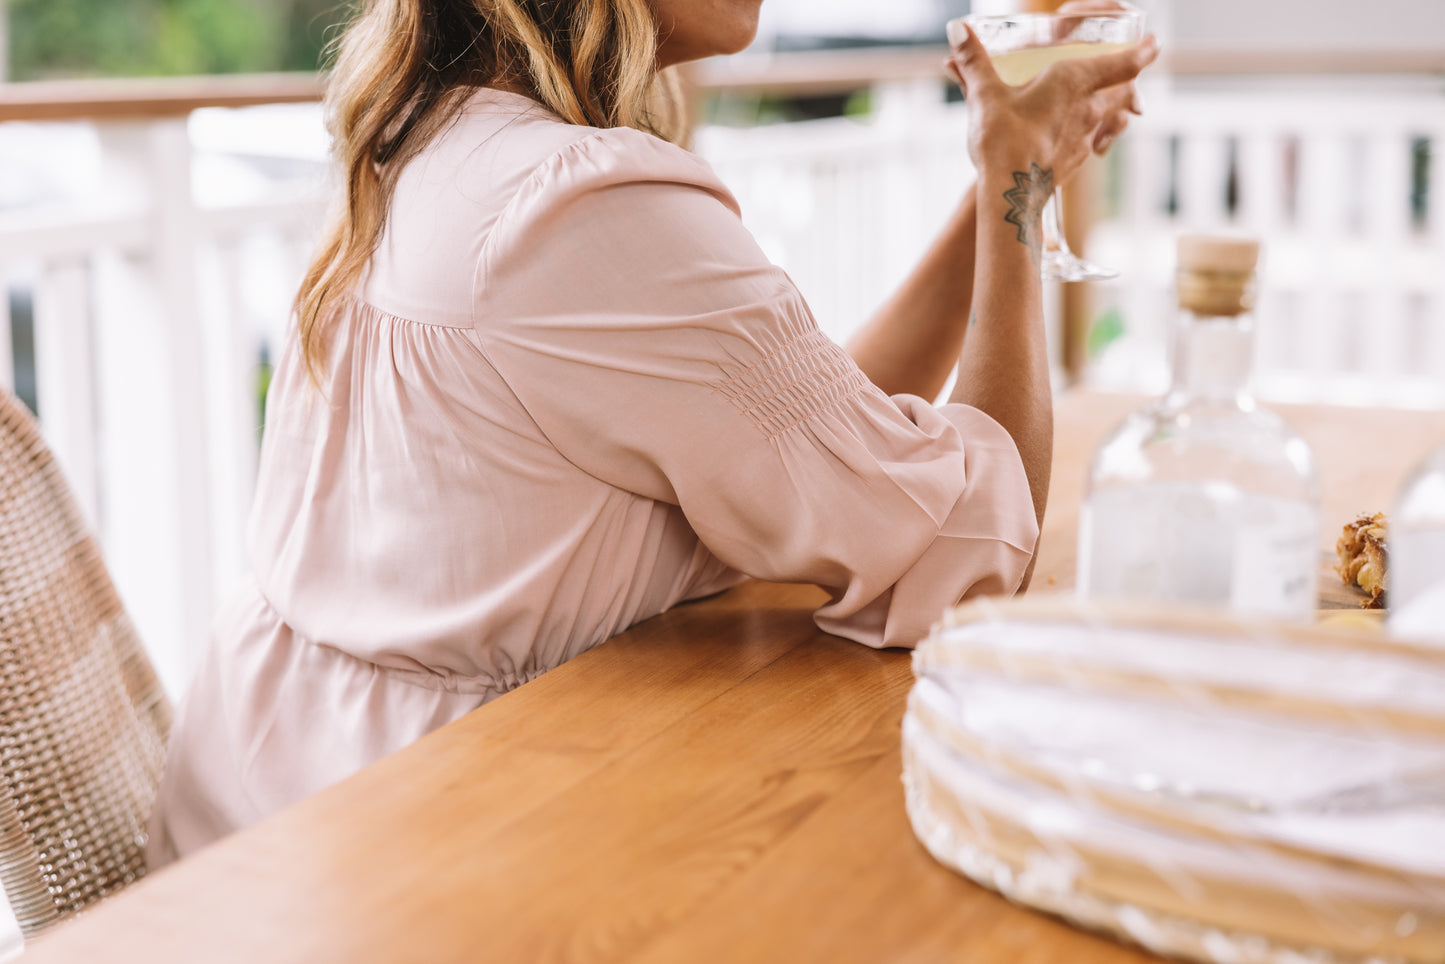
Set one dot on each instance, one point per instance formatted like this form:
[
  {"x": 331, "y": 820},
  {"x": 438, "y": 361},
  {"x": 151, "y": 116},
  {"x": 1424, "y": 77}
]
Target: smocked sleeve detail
[
  {"x": 795, "y": 381},
  {"x": 642, "y": 329}
]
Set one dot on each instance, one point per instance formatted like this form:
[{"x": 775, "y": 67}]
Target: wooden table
[{"x": 719, "y": 783}]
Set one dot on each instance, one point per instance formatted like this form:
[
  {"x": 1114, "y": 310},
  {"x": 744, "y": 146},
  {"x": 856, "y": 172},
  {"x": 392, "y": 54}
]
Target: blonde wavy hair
[{"x": 402, "y": 69}]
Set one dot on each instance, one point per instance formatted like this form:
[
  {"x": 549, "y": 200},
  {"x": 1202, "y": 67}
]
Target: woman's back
[{"x": 434, "y": 527}]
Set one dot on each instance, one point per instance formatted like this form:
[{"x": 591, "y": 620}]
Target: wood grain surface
[{"x": 720, "y": 783}]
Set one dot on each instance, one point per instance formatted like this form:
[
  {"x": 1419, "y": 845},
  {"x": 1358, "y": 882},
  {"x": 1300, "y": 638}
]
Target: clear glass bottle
[
  {"x": 1416, "y": 563},
  {"x": 1204, "y": 498}
]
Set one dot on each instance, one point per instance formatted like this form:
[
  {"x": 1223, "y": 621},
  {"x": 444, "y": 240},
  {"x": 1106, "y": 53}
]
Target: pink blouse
[{"x": 572, "y": 393}]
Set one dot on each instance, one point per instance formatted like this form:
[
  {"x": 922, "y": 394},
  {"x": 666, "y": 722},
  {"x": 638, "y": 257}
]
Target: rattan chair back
[{"x": 83, "y": 718}]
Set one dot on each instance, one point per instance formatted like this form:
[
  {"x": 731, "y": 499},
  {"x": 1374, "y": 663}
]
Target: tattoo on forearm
[{"x": 1026, "y": 200}]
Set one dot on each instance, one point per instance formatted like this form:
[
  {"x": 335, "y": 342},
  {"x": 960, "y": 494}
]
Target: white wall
[
  {"x": 1192, "y": 24},
  {"x": 1309, "y": 24}
]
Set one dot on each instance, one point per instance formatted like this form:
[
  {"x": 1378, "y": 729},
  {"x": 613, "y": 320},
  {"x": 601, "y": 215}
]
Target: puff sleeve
[{"x": 643, "y": 330}]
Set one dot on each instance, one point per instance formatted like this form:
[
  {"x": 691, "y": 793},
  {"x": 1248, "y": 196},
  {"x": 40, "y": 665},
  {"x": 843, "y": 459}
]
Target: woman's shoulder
[
  {"x": 504, "y": 133},
  {"x": 624, "y": 153},
  {"x": 559, "y": 153}
]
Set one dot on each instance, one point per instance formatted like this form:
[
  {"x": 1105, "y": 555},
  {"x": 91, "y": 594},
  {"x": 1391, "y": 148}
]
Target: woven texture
[
  {"x": 83, "y": 718},
  {"x": 1224, "y": 789}
]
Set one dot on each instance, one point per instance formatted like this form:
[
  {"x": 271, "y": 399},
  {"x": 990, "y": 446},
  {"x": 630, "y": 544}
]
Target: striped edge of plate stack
[{"x": 1224, "y": 791}]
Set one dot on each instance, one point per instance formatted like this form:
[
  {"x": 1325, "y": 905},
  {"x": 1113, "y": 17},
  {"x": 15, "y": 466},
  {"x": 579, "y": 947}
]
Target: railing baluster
[
  {"x": 1202, "y": 176},
  {"x": 1322, "y": 192},
  {"x": 1261, "y": 181},
  {"x": 7, "y": 354},
  {"x": 230, "y": 365},
  {"x": 1148, "y": 247},
  {"x": 153, "y": 371},
  {"x": 138, "y": 531},
  {"x": 1262, "y": 194},
  {"x": 1385, "y": 213},
  {"x": 1433, "y": 238},
  {"x": 176, "y": 264},
  {"x": 65, "y": 377}
]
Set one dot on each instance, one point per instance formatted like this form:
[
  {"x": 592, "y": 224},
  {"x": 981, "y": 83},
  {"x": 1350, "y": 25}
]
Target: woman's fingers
[
  {"x": 951, "y": 69},
  {"x": 1112, "y": 107},
  {"x": 972, "y": 65},
  {"x": 1119, "y": 100},
  {"x": 1073, "y": 108},
  {"x": 1109, "y": 131},
  {"x": 1117, "y": 103},
  {"x": 1111, "y": 70}
]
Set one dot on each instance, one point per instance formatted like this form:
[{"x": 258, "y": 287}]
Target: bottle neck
[{"x": 1214, "y": 339}]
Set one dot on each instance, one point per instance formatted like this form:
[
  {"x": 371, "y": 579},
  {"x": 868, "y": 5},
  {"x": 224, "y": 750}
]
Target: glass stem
[{"x": 1053, "y": 224}]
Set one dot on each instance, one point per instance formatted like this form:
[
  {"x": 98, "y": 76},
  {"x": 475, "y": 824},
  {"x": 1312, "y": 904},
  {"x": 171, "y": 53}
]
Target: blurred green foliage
[
  {"x": 114, "y": 38},
  {"x": 1106, "y": 329}
]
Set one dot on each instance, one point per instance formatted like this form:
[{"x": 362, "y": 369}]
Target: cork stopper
[{"x": 1216, "y": 273}]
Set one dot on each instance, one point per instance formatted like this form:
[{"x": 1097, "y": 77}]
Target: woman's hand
[
  {"x": 1113, "y": 124},
  {"x": 1055, "y": 120}
]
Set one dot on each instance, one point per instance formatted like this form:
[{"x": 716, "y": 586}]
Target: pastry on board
[{"x": 1363, "y": 557}]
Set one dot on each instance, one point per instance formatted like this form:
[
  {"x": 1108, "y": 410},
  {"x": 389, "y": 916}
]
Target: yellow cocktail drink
[{"x": 1018, "y": 67}]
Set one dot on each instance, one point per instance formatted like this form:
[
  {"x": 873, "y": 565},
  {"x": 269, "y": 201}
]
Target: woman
[{"x": 543, "y": 385}]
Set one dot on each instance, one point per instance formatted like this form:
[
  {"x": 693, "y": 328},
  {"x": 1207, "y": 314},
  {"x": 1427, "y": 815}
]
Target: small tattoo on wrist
[{"x": 1026, "y": 200}]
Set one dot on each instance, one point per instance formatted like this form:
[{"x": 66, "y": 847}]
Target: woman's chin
[{"x": 717, "y": 44}]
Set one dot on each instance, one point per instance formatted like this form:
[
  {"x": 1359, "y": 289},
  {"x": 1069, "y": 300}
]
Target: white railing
[
  {"x": 1344, "y": 182},
  {"x": 147, "y": 347},
  {"x": 154, "y": 293}
]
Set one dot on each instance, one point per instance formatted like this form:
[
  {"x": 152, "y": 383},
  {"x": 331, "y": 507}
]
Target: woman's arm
[
  {"x": 911, "y": 344},
  {"x": 1023, "y": 139},
  {"x": 1005, "y": 370}
]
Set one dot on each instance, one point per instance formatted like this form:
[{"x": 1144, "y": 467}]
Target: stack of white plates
[{"x": 1219, "y": 790}]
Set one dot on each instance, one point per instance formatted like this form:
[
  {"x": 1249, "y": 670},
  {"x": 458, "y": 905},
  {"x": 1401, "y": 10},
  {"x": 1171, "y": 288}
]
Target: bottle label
[
  {"x": 1276, "y": 564},
  {"x": 1205, "y": 544}
]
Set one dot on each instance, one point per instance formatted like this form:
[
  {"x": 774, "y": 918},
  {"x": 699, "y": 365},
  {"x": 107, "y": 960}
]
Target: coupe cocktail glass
[{"x": 1022, "y": 46}]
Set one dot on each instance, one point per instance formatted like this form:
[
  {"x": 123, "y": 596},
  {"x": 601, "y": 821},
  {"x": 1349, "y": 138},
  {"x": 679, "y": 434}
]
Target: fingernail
[
  {"x": 1136, "y": 103},
  {"x": 1103, "y": 144}
]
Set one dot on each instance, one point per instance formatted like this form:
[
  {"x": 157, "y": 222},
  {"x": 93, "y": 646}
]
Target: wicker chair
[{"x": 83, "y": 718}]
